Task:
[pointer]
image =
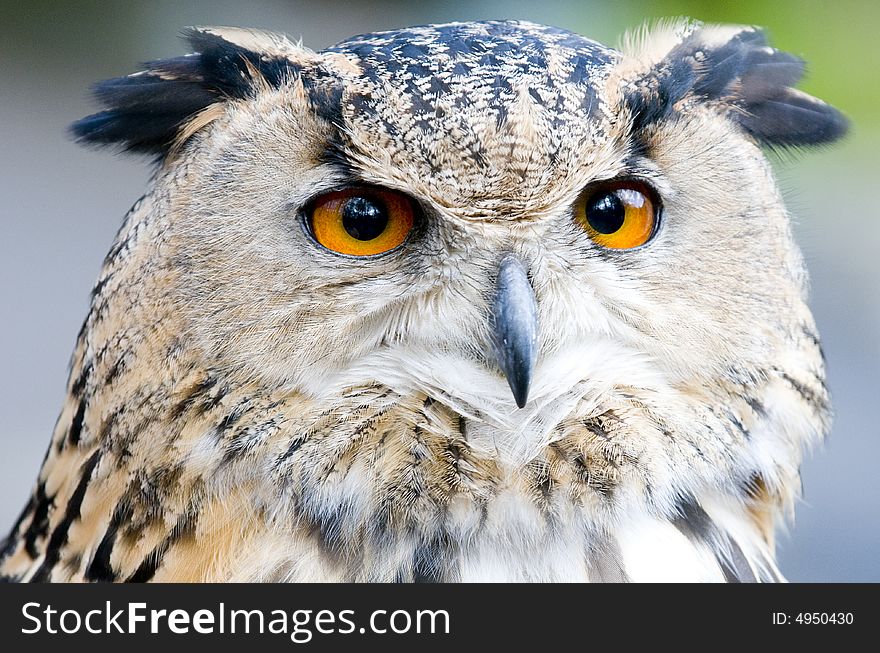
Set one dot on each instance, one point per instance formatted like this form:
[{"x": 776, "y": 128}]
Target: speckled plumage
[{"x": 244, "y": 405}]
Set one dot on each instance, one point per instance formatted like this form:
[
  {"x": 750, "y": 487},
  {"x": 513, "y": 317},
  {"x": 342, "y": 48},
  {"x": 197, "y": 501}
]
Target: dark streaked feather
[
  {"x": 607, "y": 563},
  {"x": 694, "y": 523},
  {"x": 428, "y": 560},
  {"x": 58, "y": 539},
  {"x": 144, "y": 112},
  {"x": 751, "y": 79},
  {"x": 793, "y": 118}
]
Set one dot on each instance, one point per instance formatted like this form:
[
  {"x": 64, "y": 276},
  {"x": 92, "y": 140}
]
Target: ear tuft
[
  {"x": 734, "y": 68},
  {"x": 145, "y": 112},
  {"x": 792, "y": 118}
]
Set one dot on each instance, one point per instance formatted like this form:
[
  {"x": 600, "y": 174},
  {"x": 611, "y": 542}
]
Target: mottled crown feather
[{"x": 737, "y": 68}]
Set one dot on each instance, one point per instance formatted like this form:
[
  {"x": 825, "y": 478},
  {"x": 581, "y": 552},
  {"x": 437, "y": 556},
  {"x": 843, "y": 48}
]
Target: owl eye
[
  {"x": 618, "y": 215},
  {"x": 361, "y": 221}
]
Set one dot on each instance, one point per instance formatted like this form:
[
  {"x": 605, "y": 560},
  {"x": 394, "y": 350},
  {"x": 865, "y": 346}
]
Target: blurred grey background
[{"x": 61, "y": 206}]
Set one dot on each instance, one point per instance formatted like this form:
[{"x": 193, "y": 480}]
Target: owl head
[{"x": 516, "y": 222}]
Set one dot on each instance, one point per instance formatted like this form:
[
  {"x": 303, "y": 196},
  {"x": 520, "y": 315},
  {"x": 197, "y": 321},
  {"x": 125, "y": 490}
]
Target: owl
[{"x": 481, "y": 301}]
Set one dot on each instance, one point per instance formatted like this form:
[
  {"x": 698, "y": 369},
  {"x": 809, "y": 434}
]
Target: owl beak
[{"x": 515, "y": 326}]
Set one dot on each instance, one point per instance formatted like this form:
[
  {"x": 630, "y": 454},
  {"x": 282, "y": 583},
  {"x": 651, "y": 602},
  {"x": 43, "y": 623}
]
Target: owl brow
[
  {"x": 336, "y": 155},
  {"x": 639, "y": 149}
]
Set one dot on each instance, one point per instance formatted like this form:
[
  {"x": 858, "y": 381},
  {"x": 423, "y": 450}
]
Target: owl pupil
[
  {"x": 606, "y": 213},
  {"x": 364, "y": 218}
]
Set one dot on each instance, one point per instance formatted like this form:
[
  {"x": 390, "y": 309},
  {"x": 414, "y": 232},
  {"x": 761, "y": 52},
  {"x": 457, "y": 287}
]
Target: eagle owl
[{"x": 480, "y": 301}]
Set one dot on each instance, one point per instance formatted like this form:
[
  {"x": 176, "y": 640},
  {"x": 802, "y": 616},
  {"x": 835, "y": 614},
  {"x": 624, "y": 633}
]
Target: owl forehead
[{"x": 481, "y": 110}]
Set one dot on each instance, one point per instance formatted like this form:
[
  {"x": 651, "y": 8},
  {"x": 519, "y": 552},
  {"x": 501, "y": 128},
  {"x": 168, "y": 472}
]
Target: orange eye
[
  {"x": 361, "y": 221},
  {"x": 618, "y": 215}
]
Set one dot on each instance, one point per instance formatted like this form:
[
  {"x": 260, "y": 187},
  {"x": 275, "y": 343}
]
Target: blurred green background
[{"x": 61, "y": 206}]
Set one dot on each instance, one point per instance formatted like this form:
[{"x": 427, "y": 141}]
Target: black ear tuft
[
  {"x": 792, "y": 118},
  {"x": 144, "y": 112},
  {"x": 750, "y": 81}
]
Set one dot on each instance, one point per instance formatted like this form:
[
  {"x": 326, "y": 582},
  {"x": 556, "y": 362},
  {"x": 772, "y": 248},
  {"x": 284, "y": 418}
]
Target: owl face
[
  {"x": 514, "y": 221},
  {"x": 493, "y": 138}
]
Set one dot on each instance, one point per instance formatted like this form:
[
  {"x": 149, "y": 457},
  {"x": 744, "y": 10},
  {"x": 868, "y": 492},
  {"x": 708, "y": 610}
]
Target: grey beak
[{"x": 515, "y": 326}]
